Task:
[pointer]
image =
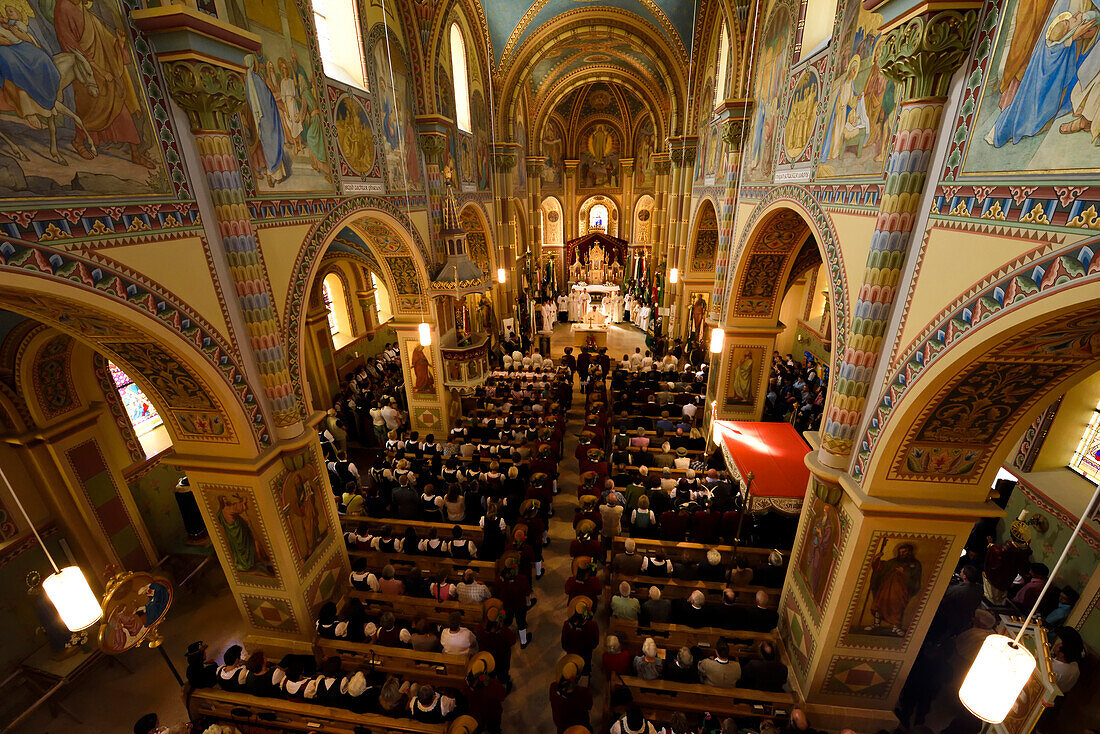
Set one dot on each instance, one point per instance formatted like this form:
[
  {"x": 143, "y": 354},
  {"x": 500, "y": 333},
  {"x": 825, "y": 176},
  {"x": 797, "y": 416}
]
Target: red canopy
[{"x": 774, "y": 453}]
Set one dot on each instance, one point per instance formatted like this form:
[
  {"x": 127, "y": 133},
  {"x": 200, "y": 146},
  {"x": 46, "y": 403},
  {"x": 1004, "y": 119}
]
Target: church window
[
  {"x": 381, "y": 299},
  {"x": 143, "y": 416},
  {"x": 326, "y": 296},
  {"x": 723, "y": 66},
  {"x": 461, "y": 79},
  {"x": 597, "y": 218},
  {"x": 1084, "y": 460},
  {"x": 817, "y": 27},
  {"x": 340, "y": 41}
]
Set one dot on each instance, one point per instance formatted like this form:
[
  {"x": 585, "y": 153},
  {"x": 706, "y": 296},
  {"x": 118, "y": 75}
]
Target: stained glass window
[
  {"x": 143, "y": 415},
  {"x": 723, "y": 66},
  {"x": 1084, "y": 460},
  {"x": 461, "y": 80}
]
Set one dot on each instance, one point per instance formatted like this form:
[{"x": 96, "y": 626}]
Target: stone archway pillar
[
  {"x": 535, "y": 165},
  {"x": 422, "y": 368},
  {"x": 659, "y": 230},
  {"x": 921, "y": 54},
  {"x": 275, "y": 530},
  {"x": 505, "y": 159},
  {"x": 570, "y": 216},
  {"x": 626, "y": 211},
  {"x": 742, "y": 369},
  {"x": 320, "y": 358},
  {"x": 272, "y": 515}
]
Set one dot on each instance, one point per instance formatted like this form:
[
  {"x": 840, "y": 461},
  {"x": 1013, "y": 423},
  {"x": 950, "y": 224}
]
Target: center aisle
[{"x": 527, "y": 708}]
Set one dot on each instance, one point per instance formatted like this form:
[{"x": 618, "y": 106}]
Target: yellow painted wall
[
  {"x": 164, "y": 262},
  {"x": 1073, "y": 416},
  {"x": 952, "y": 263},
  {"x": 280, "y": 247},
  {"x": 855, "y": 232}
]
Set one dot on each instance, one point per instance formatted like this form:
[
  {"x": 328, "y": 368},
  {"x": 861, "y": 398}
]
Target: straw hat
[
  {"x": 581, "y": 606},
  {"x": 569, "y": 668},
  {"x": 481, "y": 664}
]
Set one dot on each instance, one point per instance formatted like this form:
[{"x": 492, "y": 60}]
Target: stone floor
[{"x": 110, "y": 698}]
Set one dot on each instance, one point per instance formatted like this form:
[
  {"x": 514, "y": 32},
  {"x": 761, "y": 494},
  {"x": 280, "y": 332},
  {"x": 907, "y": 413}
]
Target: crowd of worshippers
[
  {"x": 994, "y": 580},
  {"x": 371, "y": 402},
  {"x": 303, "y": 678},
  {"x": 796, "y": 393}
]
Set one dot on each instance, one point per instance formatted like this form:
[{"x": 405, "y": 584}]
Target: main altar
[{"x": 596, "y": 259}]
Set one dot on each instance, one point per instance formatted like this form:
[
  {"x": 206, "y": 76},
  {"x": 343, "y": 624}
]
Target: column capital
[
  {"x": 434, "y": 144},
  {"x": 922, "y": 52},
  {"x": 682, "y": 150},
  {"x": 733, "y": 132},
  {"x": 505, "y": 157},
  {"x": 204, "y": 61}
]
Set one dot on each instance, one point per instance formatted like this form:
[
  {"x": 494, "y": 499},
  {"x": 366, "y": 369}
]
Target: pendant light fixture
[
  {"x": 425, "y": 334},
  {"x": 674, "y": 276},
  {"x": 66, "y": 588},
  {"x": 1003, "y": 666},
  {"x": 502, "y": 275}
]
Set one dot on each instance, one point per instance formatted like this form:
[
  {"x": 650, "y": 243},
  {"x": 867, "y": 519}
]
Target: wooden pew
[
  {"x": 678, "y": 589},
  {"x": 276, "y": 715},
  {"x": 415, "y": 607},
  {"x": 434, "y": 668},
  {"x": 659, "y": 699},
  {"x": 754, "y": 557},
  {"x": 422, "y": 527},
  {"x": 674, "y": 636},
  {"x": 376, "y": 561}
]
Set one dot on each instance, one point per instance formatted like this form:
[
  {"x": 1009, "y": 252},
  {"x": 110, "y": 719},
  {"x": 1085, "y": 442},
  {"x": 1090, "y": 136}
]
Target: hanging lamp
[{"x": 1004, "y": 666}]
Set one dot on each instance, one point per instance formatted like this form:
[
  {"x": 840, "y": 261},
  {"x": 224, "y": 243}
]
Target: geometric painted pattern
[
  {"x": 860, "y": 677},
  {"x": 271, "y": 613}
]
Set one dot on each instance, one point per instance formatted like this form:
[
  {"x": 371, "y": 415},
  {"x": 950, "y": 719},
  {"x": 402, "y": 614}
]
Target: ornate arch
[
  {"x": 479, "y": 240},
  {"x": 401, "y": 250},
  {"x": 704, "y": 236},
  {"x": 999, "y": 310},
  {"x": 815, "y": 222}
]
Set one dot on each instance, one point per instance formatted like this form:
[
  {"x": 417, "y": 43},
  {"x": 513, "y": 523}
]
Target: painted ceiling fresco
[{"x": 515, "y": 21}]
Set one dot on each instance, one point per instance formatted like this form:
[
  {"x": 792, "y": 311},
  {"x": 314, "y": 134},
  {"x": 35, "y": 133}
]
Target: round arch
[
  {"x": 585, "y": 209},
  {"x": 402, "y": 252},
  {"x": 479, "y": 237},
  {"x": 202, "y": 413},
  {"x": 641, "y": 231},
  {"x": 964, "y": 391},
  {"x": 553, "y": 221},
  {"x": 704, "y": 237}
]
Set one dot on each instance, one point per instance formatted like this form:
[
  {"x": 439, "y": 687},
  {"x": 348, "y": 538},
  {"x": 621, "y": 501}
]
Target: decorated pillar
[
  {"x": 505, "y": 159},
  {"x": 662, "y": 165},
  {"x": 368, "y": 306},
  {"x": 570, "y": 204},
  {"x": 535, "y": 165},
  {"x": 320, "y": 357},
  {"x": 682, "y": 152},
  {"x": 433, "y": 134},
  {"x": 626, "y": 216},
  {"x": 921, "y": 54},
  {"x": 273, "y": 519}
]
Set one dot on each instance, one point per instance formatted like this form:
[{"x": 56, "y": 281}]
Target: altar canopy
[
  {"x": 774, "y": 453},
  {"x": 596, "y": 258}
]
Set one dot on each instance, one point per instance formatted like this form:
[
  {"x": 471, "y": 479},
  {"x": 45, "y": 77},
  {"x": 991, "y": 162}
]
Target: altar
[
  {"x": 596, "y": 258},
  {"x": 590, "y": 336}
]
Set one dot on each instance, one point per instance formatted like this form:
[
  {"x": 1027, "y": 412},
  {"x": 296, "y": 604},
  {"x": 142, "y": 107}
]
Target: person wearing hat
[
  {"x": 586, "y": 544},
  {"x": 200, "y": 673},
  {"x": 1007, "y": 560},
  {"x": 682, "y": 461},
  {"x": 584, "y": 581},
  {"x": 570, "y": 702},
  {"x": 495, "y": 638},
  {"x": 530, "y": 510},
  {"x": 522, "y": 544},
  {"x": 513, "y": 589},
  {"x": 588, "y": 510},
  {"x": 484, "y": 693},
  {"x": 580, "y": 634}
]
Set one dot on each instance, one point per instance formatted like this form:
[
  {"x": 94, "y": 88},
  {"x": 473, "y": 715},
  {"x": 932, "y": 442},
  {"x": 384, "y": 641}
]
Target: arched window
[
  {"x": 597, "y": 218},
  {"x": 147, "y": 423},
  {"x": 817, "y": 27},
  {"x": 723, "y": 66},
  {"x": 340, "y": 41},
  {"x": 461, "y": 79},
  {"x": 1084, "y": 460},
  {"x": 381, "y": 299},
  {"x": 339, "y": 324}
]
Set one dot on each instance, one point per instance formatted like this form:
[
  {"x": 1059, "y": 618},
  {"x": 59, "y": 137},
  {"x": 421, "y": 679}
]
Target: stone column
[
  {"x": 271, "y": 515},
  {"x": 570, "y": 204},
  {"x": 320, "y": 357},
  {"x": 534, "y": 164},
  {"x": 661, "y": 167},
  {"x": 682, "y": 152},
  {"x": 626, "y": 216},
  {"x": 505, "y": 159},
  {"x": 920, "y": 54}
]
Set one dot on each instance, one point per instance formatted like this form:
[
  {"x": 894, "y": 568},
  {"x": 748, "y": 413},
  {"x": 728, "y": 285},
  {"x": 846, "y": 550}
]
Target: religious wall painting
[
  {"x": 822, "y": 545},
  {"x": 715, "y": 153},
  {"x": 553, "y": 147},
  {"x": 745, "y": 369},
  {"x": 645, "y": 145},
  {"x": 421, "y": 368},
  {"x": 768, "y": 88},
  {"x": 303, "y": 500},
  {"x": 897, "y": 574},
  {"x": 598, "y": 153},
  {"x": 444, "y": 90},
  {"x": 282, "y": 119},
  {"x": 702, "y": 130},
  {"x": 760, "y": 284},
  {"x": 355, "y": 135},
  {"x": 862, "y": 101},
  {"x": 801, "y": 115},
  {"x": 481, "y": 139},
  {"x": 398, "y": 144},
  {"x": 76, "y": 119},
  {"x": 53, "y": 381},
  {"x": 241, "y": 534},
  {"x": 1040, "y": 101},
  {"x": 698, "y": 305},
  {"x": 163, "y": 374},
  {"x": 706, "y": 242}
]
